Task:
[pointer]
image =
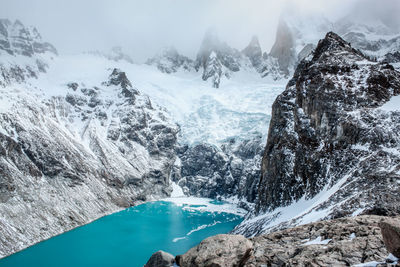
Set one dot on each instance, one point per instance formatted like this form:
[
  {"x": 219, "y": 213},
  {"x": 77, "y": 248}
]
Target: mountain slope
[
  {"x": 331, "y": 150},
  {"x": 71, "y": 152}
]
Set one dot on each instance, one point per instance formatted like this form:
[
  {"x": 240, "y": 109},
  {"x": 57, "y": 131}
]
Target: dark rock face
[
  {"x": 231, "y": 170},
  {"x": 254, "y": 53},
  {"x": 327, "y": 133},
  {"x": 392, "y": 57},
  {"x": 170, "y": 61},
  {"x": 283, "y": 48},
  {"x": 391, "y": 235},
  {"x": 160, "y": 259}
]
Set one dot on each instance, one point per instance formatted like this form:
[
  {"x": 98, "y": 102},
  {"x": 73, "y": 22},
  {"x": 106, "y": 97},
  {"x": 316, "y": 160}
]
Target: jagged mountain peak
[
  {"x": 210, "y": 40},
  {"x": 169, "y": 61},
  {"x": 334, "y": 43},
  {"x": 253, "y": 49},
  {"x": 283, "y": 48},
  {"x": 323, "y": 155},
  {"x": 17, "y": 39},
  {"x": 118, "y": 77},
  {"x": 254, "y": 53}
]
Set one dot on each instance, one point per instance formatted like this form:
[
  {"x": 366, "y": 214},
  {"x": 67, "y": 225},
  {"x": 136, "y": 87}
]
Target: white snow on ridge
[
  {"x": 392, "y": 105},
  {"x": 177, "y": 191},
  {"x": 317, "y": 241},
  {"x": 241, "y": 107}
]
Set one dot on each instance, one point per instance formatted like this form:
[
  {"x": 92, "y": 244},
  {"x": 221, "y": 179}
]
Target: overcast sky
[{"x": 143, "y": 27}]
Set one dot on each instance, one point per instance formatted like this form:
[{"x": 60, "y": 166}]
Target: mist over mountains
[{"x": 144, "y": 28}]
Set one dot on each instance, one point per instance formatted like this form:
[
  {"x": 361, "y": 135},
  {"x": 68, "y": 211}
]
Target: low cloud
[{"x": 143, "y": 27}]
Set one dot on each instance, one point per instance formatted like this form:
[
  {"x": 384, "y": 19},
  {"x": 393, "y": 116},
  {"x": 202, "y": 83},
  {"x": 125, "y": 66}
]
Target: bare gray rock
[
  {"x": 391, "y": 235},
  {"x": 160, "y": 259},
  {"x": 230, "y": 170},
  {"x": 340, "y": 242},
  {"x": 218, "y": 251}
]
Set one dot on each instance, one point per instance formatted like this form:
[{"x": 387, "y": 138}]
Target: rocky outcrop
[
  {"x": 213, "y": 70},
  {"x": 216, "y": 59},
  {"x": 229, "y": 171},
  {"x": 340, "y": 242},
  {"x": 160, "y": 259},
  {"x": 69, "y": 159},
  {"x": 170, "y": 61},
  {"x": 329, "y": 145},
  {"x": 219, "y": 250},
  {"x": 391, "y": 235},
  {"x": 254, "y": 53},
  {"x": 16, "y": 40},
  {"x": 283, "y": 48}
]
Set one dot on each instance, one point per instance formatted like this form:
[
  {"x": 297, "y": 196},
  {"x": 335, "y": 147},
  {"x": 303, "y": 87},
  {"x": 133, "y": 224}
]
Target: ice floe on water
[
  {"x": 206, "y": 205},
  {"x": 201, "y": 227}
]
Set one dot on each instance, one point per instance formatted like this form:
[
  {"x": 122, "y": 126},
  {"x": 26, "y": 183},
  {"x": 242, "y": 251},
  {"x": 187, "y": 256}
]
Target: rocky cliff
[
  {"x": 74, "y": 152},
  {"x": 229, "y": 172},
  {"x": 331, "y": 150},
  {"x": 23, "y": 52}
]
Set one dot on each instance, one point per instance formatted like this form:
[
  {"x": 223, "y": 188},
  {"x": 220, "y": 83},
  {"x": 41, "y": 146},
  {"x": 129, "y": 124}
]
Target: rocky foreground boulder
[
  {"x": 391, "y": 235},
  {"x": 160, "y": 259},
  {"x": 340, "y": 242},
  {"x": 219, "y": 250}
]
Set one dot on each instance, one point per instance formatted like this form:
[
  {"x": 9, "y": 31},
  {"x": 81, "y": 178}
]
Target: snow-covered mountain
[
  {"x": 75, "y": 144},
  {"x": 217, "y": 62},
  {"x": 23, "y": 52},
  {"x": 295, "y": 39},
  {"x": 86, "y": 135},
  {"x": 333, "y": 144},
  {"x": 170, "y": 61},
  {"x": 81, "y": 138}
]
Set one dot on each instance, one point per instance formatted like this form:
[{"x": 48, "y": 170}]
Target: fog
[{"x": 143, "y": 27}]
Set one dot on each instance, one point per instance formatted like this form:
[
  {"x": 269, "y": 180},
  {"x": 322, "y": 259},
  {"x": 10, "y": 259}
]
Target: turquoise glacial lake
[{"x": 127, "y": 238}]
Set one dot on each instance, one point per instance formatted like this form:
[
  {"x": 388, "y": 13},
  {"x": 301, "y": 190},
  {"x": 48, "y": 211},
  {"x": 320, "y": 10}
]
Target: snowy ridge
[
  {"x": 74, "y": 148},
  {"x": 323, "y": 159}
]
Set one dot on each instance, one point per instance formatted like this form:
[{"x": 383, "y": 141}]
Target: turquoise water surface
[{"x": 126, "y": 238}]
